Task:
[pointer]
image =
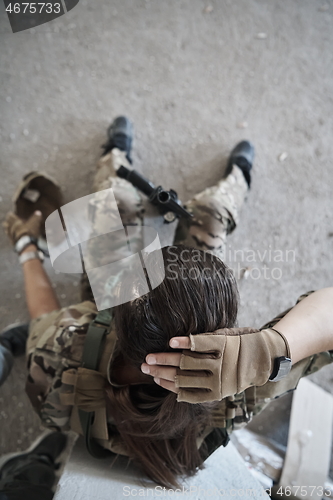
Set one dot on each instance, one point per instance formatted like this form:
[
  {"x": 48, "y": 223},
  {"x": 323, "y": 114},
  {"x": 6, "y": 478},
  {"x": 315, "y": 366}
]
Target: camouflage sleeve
[{"x": 54, "y": 345}]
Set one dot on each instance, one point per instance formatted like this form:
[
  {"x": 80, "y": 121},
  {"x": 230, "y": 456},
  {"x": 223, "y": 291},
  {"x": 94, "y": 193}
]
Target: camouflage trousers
[
  {"x": 215, "y": 213},
  {"x": 215, "y": 210}
]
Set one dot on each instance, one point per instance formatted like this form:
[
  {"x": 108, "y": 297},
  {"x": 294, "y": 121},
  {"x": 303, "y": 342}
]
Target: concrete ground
[
  {"x": 224, "y": 475},
  {"x": 195, "y": 77}
]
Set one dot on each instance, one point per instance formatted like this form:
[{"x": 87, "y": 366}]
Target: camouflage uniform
[
  {"x": 215, "y": 215},
  {"x": 56, "y": 340}
]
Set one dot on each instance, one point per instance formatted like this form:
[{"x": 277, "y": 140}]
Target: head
[{"x": 198, "y": 294}]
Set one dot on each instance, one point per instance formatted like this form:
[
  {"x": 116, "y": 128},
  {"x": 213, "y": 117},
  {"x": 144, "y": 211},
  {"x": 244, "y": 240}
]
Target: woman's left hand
[{"x": 163, "y": 365}]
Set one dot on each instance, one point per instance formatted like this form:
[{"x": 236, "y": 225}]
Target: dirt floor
[{"x": 195, "y": 77}]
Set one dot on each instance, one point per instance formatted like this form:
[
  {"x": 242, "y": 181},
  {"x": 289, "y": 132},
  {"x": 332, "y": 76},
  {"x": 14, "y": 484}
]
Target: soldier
[{"x": 228, "y": 377}]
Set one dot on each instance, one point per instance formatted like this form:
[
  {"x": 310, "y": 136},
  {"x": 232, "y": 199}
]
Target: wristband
[
  {"x": 23, "y": 242},
  {"x": 30, "y": 256}
]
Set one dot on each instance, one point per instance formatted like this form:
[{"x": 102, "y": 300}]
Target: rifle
[{"x": 167, "y": 201}]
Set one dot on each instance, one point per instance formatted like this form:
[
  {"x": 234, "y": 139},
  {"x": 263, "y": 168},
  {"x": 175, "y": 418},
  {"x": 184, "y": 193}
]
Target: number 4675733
[{"x": 33, "y": 8}]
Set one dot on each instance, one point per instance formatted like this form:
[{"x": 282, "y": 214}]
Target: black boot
[
  {"x": 120, "y": 135},
  {"x": 31, "y": 474},
  {"x": 14, "y": 337},
  {"x": 242, "y": 155}
]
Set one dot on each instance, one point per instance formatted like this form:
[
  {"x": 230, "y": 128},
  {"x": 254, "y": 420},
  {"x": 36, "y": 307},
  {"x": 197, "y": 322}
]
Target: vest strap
[{"x": 92, "y": 353}]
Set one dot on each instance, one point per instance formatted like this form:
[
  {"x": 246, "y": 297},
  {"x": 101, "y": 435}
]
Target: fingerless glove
[
  {"x": 228, "y": 361},
  {"x": 16, "y": 227}
]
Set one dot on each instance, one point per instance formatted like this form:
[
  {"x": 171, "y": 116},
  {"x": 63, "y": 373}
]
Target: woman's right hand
[{"x": 163, "y": 365}]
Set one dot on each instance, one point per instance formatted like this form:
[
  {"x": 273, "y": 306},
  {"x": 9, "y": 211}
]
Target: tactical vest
[
  {"x": 88, "y": 415},
  {"x": 70, "y": 356}
]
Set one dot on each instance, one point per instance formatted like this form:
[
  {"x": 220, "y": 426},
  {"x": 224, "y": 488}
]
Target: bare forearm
[
  {"x": 40, "y": 296},
  {"x": 308, "y": 327}
]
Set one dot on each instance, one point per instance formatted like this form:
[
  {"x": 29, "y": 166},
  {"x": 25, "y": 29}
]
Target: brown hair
[{"x": 198, "y": 294}]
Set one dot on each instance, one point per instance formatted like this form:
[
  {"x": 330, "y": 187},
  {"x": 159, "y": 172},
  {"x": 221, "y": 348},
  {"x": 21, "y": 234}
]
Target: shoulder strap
[
  {"x": 95, "y": 338},
  {"x": 92, "y": 352}
]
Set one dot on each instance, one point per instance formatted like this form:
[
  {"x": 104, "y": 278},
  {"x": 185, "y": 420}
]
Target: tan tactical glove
[
  {"x": 16, "y": 227},
  {"x": 228, "y": 361}
]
